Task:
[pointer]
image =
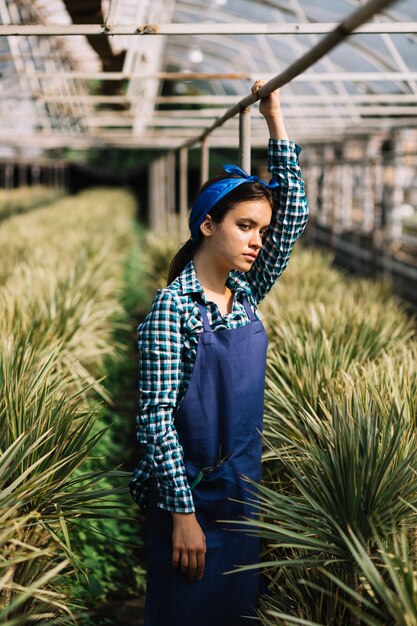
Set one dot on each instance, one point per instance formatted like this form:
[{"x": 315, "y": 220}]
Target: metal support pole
[
  {"x": 183, "y": 194},
  {"x": 323, "y": 47},
  {"x": 165, "y": 173},
  {"x": 171, "y": 191},
  {"x": 152, "y": 206},
  {"x": 163, "y": 204},
  {"x": 204, "y": 166},
  {"x": 156, "y": 193},
  {"x": 161, "y": 195},
  {"x": 244, "y": 139}
]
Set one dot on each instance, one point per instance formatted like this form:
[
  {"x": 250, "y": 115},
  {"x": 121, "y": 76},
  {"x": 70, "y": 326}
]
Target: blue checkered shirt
[{"x": 168, "y": 336}]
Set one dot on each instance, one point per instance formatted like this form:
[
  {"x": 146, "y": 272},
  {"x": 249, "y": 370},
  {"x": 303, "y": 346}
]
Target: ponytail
[{"x": 181, "y": 259}]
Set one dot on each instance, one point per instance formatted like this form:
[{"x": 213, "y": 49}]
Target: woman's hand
[
  {"x": 270, "y": 108},
  {"x": 188, "y": 545}
]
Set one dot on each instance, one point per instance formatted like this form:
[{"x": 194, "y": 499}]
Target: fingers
[
  {"x": 200, "y": 564},
  {"x": 191, "y": 564},
  {"x": 188, "y": 547},
  {"x": 257, "y": 86},
  {"x": 184, "y": 562},
  {"x": 175, "y": 557}
]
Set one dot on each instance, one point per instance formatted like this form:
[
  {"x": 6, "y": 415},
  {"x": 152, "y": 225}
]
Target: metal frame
[
  {"x": 239, "y": 28},
  {"x": 55, "y": 80}
]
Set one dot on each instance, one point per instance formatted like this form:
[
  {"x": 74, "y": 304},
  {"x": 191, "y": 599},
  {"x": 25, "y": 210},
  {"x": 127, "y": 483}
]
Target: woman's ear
[{"x": 206, "y": 226}]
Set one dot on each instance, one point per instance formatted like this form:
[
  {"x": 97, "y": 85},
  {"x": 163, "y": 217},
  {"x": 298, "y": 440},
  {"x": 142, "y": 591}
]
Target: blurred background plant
[
  {"x": 66, "y": 516},
  {"x": 159, "y": 251},
  {"x": 22, "y": 199}
]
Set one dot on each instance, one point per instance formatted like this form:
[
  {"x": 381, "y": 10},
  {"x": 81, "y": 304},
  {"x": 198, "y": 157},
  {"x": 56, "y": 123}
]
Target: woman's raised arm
[{"x": 290, "y": 214}]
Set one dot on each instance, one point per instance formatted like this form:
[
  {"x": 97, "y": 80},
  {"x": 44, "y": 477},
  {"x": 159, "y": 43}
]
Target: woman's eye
[{"x": 247, "y": 227}]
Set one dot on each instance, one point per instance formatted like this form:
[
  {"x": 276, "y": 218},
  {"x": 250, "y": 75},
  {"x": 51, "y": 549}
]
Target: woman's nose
[{"x": 256, "y": 240}]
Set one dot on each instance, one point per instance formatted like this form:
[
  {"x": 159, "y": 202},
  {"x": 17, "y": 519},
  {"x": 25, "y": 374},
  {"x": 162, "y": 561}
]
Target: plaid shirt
[{"x": 168, "y": 336}]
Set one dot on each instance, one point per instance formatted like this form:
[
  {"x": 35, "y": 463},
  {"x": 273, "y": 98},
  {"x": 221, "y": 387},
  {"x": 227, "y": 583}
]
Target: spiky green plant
[
  {"x": 60, "y": 303},
  {"x": 340, "y": 454},
  {"x": 347, "y": 470},
  {"x": 387, "y": 580}
]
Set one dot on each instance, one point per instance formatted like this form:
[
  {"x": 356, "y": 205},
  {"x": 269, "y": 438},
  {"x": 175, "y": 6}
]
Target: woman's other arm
[{"x": 160, "y": 372}]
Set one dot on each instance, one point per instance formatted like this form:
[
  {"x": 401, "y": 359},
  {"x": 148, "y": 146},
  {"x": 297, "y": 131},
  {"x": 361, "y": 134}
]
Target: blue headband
[{"x": 215, "y": 192}]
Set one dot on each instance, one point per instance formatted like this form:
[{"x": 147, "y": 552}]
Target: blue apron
[{"x": 219, "y": 424}]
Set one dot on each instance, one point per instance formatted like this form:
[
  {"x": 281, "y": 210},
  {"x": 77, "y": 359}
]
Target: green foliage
[
  {"x": 338, "y": 500},
  {"x": 22, "y": 199},
  {"x": 59, "y": 296},
  {"x": 134, "y": 296},
  {"x": 106, "y": 543}
]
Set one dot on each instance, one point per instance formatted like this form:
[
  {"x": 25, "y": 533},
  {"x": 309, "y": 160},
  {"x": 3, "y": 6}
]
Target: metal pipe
[
  {"x": 126, "y": 75},
  {"x": 220, "y": 100},
  {"x": 244, "y": 139},
  {"x": 308, "y": 77},
  {"x": 170, "y": 200},
  {"x": 183, "y": 193},
  {"x": 204, "y": 166},
  {"x": 151, "y": 195},
  {"x": 239, "y": 28},
  {"x": 318, "y": 132},
  {"x": 330, "y": 41}
]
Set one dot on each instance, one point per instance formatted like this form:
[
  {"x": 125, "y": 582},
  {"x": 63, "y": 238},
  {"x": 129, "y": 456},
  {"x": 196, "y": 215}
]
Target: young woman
[{"x": 202, "y": 357}]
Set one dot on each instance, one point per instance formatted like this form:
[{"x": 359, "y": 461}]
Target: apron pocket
[{"x": 212, "y": 495}]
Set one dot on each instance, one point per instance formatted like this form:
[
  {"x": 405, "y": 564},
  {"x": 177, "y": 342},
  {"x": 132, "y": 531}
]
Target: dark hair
[{"x": 241, "y": 193}]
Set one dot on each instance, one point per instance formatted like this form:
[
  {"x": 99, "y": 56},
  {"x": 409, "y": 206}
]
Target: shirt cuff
[
  {"x": 177, "y": 502},
  {"x": 282, "y": 151}
]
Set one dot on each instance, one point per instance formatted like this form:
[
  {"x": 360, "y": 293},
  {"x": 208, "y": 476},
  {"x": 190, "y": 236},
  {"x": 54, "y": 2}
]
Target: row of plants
[
  {"x": 338, "y": 500},
  {"x": 22, "y": 199},
  {"x": 66, "y": 517}
]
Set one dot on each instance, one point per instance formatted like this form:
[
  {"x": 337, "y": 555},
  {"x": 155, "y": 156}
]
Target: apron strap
[
  {"x": 203, "y": 312},
  {"x": 206, "y": 324},
  {"x": 251, "y": 314}
]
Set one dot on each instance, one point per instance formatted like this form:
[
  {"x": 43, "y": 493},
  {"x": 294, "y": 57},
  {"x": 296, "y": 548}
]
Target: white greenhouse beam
[
  {"x": 317, "y": 133},
  {"x": 330, "y": 41},
  {"x": 332, "y": 99},
  {"x": 239, "y": 28},
  {"x": 307, "y": 77}
]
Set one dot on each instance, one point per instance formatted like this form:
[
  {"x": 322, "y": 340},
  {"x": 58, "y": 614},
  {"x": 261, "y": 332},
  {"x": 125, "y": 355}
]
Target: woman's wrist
[
  {"x": 182, "y": 518},
  {"x": 276, "y": 127}
]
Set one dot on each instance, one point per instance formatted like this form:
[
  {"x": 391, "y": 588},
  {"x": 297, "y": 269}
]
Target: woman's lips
[{"x": 251, "y": 256}]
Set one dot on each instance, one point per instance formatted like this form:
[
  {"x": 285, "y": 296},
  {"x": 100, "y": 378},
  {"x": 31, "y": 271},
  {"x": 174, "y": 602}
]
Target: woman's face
[{"x": 236, "y": 241}]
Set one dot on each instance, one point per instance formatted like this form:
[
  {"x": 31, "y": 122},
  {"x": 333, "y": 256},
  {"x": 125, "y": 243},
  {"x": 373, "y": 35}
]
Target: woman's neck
[{"x": 210, "y": 275}]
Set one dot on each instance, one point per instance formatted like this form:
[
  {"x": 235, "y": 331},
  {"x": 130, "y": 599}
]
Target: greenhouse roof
[{"x": 156, "y": 74}]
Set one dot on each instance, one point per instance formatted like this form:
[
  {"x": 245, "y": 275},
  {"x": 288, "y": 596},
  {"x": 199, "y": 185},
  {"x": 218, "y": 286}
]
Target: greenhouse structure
[{"x": 114, "y": 113}]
